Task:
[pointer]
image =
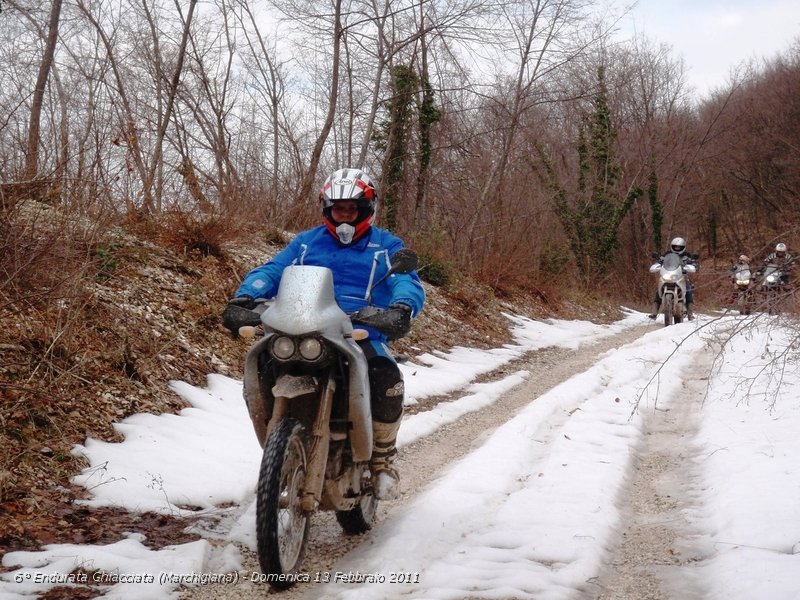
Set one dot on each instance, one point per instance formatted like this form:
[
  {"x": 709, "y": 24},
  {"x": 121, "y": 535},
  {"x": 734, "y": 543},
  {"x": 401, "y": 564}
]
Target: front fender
[
  {"x": 359, "y": 399},
  {"x": 674, "y": 290},
  {"x": 259, "y": 405},
  {"x": 292, "y": 386}
]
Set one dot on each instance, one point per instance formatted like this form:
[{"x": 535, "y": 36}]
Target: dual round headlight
[
  {"x": 285, "y": 347},
  {"x": 310, "y": 348}
]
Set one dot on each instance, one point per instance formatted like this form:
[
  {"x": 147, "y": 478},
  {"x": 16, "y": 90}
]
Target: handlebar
[{"x": 247, "y": 322}]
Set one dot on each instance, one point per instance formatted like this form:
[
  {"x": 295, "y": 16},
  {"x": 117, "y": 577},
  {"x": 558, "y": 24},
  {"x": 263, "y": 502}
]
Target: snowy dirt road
[
  {"x": 626, "y": 461},
  {"x": 652, "y": 506}
]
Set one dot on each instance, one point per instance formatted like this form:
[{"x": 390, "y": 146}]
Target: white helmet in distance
[{"x": 678, "y": 245}]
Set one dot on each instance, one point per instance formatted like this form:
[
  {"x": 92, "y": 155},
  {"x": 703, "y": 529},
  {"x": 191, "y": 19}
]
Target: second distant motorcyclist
[
  {"x": 678, "y": 246},
  {"x": 742, "y": 279},
  {"x": 742, "y": 264}
]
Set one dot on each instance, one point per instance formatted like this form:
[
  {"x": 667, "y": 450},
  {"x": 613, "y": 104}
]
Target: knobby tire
[
  {"x": 281, "y": 525},
  {"x": 667, "y": 311}
]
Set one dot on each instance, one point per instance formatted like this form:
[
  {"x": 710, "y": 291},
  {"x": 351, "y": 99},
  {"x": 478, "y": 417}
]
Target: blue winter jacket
[{"x": 355, "y": 268}]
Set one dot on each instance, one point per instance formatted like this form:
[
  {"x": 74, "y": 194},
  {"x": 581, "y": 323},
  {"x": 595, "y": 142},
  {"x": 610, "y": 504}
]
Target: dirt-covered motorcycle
[
  {"x": 308, "y": 395},
  {"x": 672, "y": 284}
]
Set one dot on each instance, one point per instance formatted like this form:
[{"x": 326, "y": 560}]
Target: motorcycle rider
[
  {"x": 678, "y": 246},
  {"x": 347, "y": 243},
  {"x": 782, "y": 259},
  {"x": 741, "y": 265}
]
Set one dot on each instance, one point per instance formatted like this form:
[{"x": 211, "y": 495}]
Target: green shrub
[
  {"x": 553, "y": 259},
  {"x": 435, "y": 272},
  {"x": 106, "y": 260}
]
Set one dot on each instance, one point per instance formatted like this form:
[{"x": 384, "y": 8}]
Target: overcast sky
[{"x": 715, "y": 35}]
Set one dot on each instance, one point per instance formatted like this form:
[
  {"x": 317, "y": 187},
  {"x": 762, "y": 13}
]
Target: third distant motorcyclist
[
  {"x": 780, "y": 258},
  {"x": 678, "y": 246}
]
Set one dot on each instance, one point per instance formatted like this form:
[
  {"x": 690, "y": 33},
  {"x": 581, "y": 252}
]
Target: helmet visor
[{"x": 360, "y": 202}]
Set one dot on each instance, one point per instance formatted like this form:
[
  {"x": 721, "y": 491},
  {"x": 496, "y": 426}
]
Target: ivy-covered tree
[
  {"x": 394, "y": 137},
  {"x": 429, "y": 114},
  {"x": 591, "y": 214},
  {"x": 656, "y": 210},
  {"x": 404, "y": 137}
]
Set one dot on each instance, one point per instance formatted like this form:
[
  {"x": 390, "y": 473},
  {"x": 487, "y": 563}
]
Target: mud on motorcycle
[{"x": 308, "y": 396}]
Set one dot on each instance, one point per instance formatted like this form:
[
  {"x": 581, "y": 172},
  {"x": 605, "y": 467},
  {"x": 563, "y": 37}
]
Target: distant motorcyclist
[
  {"x": 742, "y": 279},
  {"x": 678, "y": 246},
  {"x": 742, "y": 264},
  {"x": 780, "y": 258}
]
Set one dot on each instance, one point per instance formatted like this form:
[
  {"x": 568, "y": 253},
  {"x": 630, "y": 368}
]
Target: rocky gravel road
[{"x": 658, "y": 508}]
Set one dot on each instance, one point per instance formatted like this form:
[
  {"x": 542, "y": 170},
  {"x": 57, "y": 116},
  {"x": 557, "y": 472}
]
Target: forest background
[
  {"x": 520, "y": 147},
  {"x": 520, "y": 143}
]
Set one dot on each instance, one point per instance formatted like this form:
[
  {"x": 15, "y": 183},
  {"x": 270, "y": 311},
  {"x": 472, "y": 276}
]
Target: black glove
[
  {"x": 394, "y": 323},
  {"x": 239, "y": 313}
]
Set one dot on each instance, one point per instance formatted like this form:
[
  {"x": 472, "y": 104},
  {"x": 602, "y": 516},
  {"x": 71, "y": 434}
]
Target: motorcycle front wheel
[
  {"x": 281, "y": 524},
  {"x": 745, "y": 303},
  {"x": 358, "y": 519},
  {"x": 667, "y": 306}
]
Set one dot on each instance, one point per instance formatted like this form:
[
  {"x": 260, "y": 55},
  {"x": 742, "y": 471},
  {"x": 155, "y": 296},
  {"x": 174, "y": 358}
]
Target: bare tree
[
  {"x": 146, "y": 165},
  {"x": 32, "y": 154},
  {"x": 172, "y": 92},
  {"x": 269, "y": 79},
  {"x": 308, "y": 180},
  {"x": 542, "y": 38}
]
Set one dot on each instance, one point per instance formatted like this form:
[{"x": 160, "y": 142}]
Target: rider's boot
[
  {"x": 385, "y": 478},
  {"x": 654, "y": 312},
  {"x": 689, "y": 312}
]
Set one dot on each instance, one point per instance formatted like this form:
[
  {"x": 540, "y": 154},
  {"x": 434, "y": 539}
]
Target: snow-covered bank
[{"x": 531, "y": 513}]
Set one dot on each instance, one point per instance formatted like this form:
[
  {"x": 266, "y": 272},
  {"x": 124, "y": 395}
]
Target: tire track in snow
[{"x": 659, "y": 542}]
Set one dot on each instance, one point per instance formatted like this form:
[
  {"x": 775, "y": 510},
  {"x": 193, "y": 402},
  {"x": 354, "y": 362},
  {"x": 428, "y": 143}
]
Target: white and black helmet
[
  {"x": 780, "y": 249},
  {"x": 678, "y": 245},
  {"x": 354, "y": 185}
]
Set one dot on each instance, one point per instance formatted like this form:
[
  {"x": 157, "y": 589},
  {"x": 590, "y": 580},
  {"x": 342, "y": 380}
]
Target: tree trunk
[
  {"x": 313, "y": 165},
  {"x": 173, "y": 90},
  {"x": 32, "y": 156}
]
